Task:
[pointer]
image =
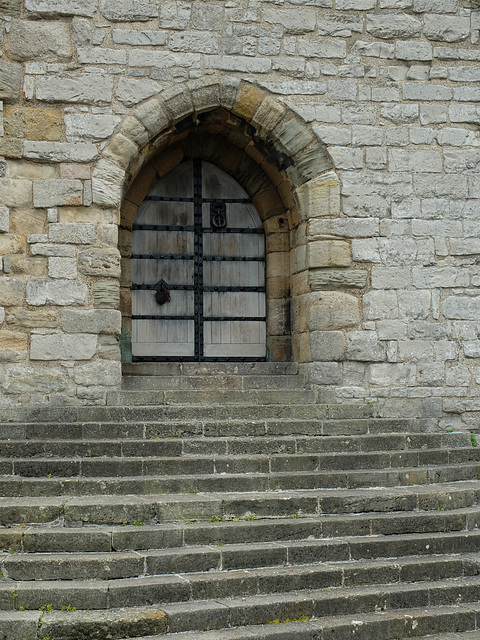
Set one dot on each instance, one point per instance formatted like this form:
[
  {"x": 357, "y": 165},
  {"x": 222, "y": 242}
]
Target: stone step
[
  {"x": 183, "y": 369},
  {"x": 106, "y": 587},
  {"x": 213, "y": 382},
  {"x": 235, "y": 446},
  {"x": 223, "y": 397},
  {"x": 206, "y": 427},
  {"x": 152, "y": 465},
  {"x": 53, "y": 484},
  {"x": 108, "y": 509},
  {"x": 224, "y": 612},
  {"x": 268, "y": 565}
]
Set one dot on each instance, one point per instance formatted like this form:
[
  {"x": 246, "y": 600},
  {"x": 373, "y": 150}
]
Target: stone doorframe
[{"x": 281, "y": 164}]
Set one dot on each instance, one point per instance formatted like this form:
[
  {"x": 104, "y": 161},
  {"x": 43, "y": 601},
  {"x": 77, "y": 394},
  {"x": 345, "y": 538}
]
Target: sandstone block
[
  {"x": 107, "y": 183},
  {"x": 10, "y": 7},
  {"x": 12, "y": 291},
  {"x": 58, "y": 8},
  {"x": 327, "y": 345},
  {"x": 13, "y": 346},
  {"x": 89, "y": 88},
  {"x": 131, "y": 91},
  {"x": 10, "y": 81},
  {"x": 60, "y": 151},
  {"x": 127, "y": 11},
  {"x": 103, "y": 373},
  {"x": 333, "y": 279},
  {"x": 106, "y": 294},
  {"x": 33, "y": 123},
  {"x": 45, "y": 41},
  {"x": 57, "y": 346},
  {"x": 57, "y": 292},
  {"x": 53, "y": 193},
  {"x": 62, "y": 268},
  {"x": 328, "y": 253},
  {"x": 100, "y": 263},
  {"x": 331, "y": 311},
  {"x": 11, "y": 243},
  {"x": 44, "y": 318},
  {"x": 105, "y": 321},
  {"x": 15, "y": 193},
  {"x": 24, "y": 379}
]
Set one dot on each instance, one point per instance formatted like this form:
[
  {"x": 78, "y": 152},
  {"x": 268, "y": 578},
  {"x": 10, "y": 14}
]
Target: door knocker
[
  {"x": 218, "y": 216},
  {"x": 162, "y": 292}
]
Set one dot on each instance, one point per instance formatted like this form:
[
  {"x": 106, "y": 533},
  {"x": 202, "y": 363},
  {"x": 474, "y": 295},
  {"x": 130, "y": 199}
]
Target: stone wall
[{"x": 379, "y": 96}]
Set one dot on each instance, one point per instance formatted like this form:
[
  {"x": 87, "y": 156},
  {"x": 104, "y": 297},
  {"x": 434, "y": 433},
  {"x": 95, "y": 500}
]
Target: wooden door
[{"x": 199, "y": 240}]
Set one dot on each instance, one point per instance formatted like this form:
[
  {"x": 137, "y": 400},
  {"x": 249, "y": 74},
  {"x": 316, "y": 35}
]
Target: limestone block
[
  {"x": 11, "y": 243},
  {"x": 102, "y": 373},
  {"x": 89, "y": 88},
  {"x": 374, "y": 49},
  {"x": 175, "y": 15},
  {"x": 327, "y": 345},
  {"x": 57, "y": 346},
  {"x": 472, "y": 349},
  {"x": 107, "y": 183},
  {"x": 60, "y": 250},
  {"x": 2, "y": 315},
  {"x": 458, "y": 376},
  {"x": 12, "y": 292},
  {"x": 434, "y": 277},
  {"x": 72, "y": 232},
  {"x": 100, "y": 262},
  {"x": 127, "y": 11},
  {"x": 194, "y": 41},
  {"x": 325, "y": 373},
  {"x": 435, "y": 6},
  {"x": 108, "y": 347},
  {"x": 380, "y": 305},
  {"x": 425, "y": 92},
  {"x": 364, "y": 346},
  {"x": 331, "y": 311},
  {"x": 10, "y": 7},
  {"x": 328, "y": 253},
  {"x": 136, "y": 38},
  {"x": 53, "y": 193},
  {"x": 131, "y": 91},
  {"x": 295, "y": 22},
  {"x": 57, "y": 292},
  {"x": 414, "y": 304},
  {"x": 245, "y": 64},
  {"x": 333, "y": 279},
  {"x": 400, "y": 113},
  {"x": 25, "y": 379},
  {"x": 462, "y": 307},
  {"x": 13, "y": 346},
  {"x": 205, "y": 95},
  {"x": 83, "y": 127},
  {"x": 410, "y": 161},
  {"x": 392, "y": 374},
  {"x": 446, "y": 28},
  {"x": 94, "y": 55},
  {"x": 4, "y": 219},
  {"x": 390, "y": 277},
  {"x": 11, "y": 74},
  {"x": 164, "y": 59},
  {"x": 106, "y": 294},
  {"x": 45, "y": 41},
  {"x": 62, "y": 268},
  {"x": 408, "y": 50},
  {"x": 60, "y": 151},
  {"x": 58, "y": 8},
  {"x": 107, "y": 321},
  {"x": 33, "y": 123},
  {"x": 393, "y": 26}
]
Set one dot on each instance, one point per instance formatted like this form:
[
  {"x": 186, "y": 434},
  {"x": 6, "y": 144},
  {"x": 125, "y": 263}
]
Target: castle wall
[{"x": 375, "y": 102}]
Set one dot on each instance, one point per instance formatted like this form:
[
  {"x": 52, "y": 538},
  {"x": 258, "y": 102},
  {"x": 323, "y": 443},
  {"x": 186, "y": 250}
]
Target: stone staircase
[{"x": 226, "y": 502}]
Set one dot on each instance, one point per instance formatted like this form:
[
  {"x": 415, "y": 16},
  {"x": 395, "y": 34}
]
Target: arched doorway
[{"x": 198, "y": 269}]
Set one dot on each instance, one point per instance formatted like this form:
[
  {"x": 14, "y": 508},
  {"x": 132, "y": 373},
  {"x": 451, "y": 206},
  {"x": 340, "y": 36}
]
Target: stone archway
[{"x": 273, "y": 155}]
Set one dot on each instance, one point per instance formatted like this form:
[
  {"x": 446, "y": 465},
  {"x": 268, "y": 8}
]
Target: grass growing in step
[
  {"x": 47, "y": 607},
  {"x": 473, "y": 440},
  {"x": 68, "y": 607}
]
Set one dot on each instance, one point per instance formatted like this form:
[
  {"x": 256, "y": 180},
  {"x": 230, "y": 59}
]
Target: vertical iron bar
[{"x": 198, "y": 257}]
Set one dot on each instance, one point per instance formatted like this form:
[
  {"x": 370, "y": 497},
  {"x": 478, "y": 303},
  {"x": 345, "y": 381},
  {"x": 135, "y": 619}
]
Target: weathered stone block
[
  {"x": 97, "y": 321},
  {"x": 46, "y": 41},
  {"x": 57, "y": 292},
  {"x": 103, "y": 373},
  {"x": 72, "y": 232},
  {"x": 107, "y": 183},
  {"x": 327, "y": 345},
  {"x": 60, "y": 151},
  {"x": 127, "y": 11},
  {"x": 392, "y": 374},
  {"x": 364, "y": 346},
  {"x": 331, "y": 311},
  {"x": 100, "y": 262},
  {"x": 392, "y": 26},
  {"x": 43, "y": 249},
  {"x": 131, "y": 91},
  {"x": 58, "y": 346},
  {"x": 380, "y": 305},
  {"x": 12, "y": 292},
  {"x": 40, "y": 318},
  {"x": 33, "y": 123},
  {"x": 10, "y": 80},
  {"x": 53, "y": 193},
  {"x": 446, "y": 28},
  {"x": 10, "y": 7},
  {"x": 94, "y": 55},
  {"x": 328, "y": 253},
  {"x": 325, "y": 373},
  {"x": 15, "y": 193},
  {"x": 136, "y": 38},
  {"x": 331, "y": 279},
  {"x": 106, "y": 294},
  {"x": 4, "y": 219},
  {"x": 89, "y": 88},
  {"x": 462, "y": 307},
  {"x": 296, "y": 22},
  {"x": 58, "y": 8},
  {"x": 24, "y": 379}
]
